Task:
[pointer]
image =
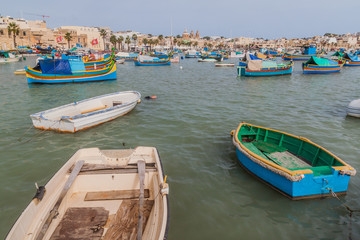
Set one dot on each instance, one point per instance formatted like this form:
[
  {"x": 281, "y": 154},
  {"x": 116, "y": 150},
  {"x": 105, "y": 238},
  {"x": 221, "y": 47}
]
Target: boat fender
[
  {"x": 232, "y": 132},
  {"x": 151, "y": 97},
  {"x": 40, "y": 192}
]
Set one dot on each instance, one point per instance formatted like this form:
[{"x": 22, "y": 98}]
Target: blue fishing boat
[
  {"x": 68, "y": 71},
  {"x": 192, "y": 54},
  {"x": 351, "y": 60},
  {"x": 128, "y": 57},
  {"x": 264, "y": 68},
  {"x": 322, "y": 65},
  {"x": 295, "y": 166},
  {"x": 309, "y": 52},
  {"x": 143, "y": 60}
]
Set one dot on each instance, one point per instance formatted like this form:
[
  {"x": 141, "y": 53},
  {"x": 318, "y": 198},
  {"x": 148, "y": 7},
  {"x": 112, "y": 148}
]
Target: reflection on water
[{"x": 211, "y": 196}]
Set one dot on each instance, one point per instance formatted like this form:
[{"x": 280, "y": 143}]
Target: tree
[
  {"x": 120, "y": 40},
  {"x": 134, "y": 37},
  {"x": 175, "y": 41},
  {"x": 206, "y": 38},
  {"x": 156, "y": 42},
  {"x": 145, "y": 42},
  {"x": 151, "y": 42},
  {"x": 113, "y": 40},
  {"x": 14, "y": 29},
  {"x": 103, "y": 34},
  {"x": 195, "y": 44},
  {"x": 68, "y": 37},
  {"x": 128, "y": 41},
  {"x": 178, "y": 36},
  {"x": 160, "y": 38},
  {"x": 150, "y": 35}
]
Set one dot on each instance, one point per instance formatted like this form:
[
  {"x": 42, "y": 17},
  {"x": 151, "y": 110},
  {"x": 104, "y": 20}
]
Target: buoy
[
  {"x": 151, "y": 97},
  {"x": 181, "y": 67},
  {"x": 232, "y": 132},
  {"x": 139, "y": 101}
]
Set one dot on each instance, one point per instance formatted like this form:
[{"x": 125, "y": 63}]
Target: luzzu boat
[
  {"x": 308, "y": 53},
  {"x": 68, "y": 71},
  {"x": 322, "y": 65},
  {"x": 128, "y": 57},
  {"x": 293, "y": 165},
  {"x": 143, "y": 60},
  {"x": 264, "y": 68},
  {"x": 351, "y": 60},
  {"x": 191, "y": 54},
  {"x": 100, "y": 63}
]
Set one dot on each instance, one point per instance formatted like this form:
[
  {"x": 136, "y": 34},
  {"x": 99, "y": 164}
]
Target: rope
[{"x": 342, "y": 203}]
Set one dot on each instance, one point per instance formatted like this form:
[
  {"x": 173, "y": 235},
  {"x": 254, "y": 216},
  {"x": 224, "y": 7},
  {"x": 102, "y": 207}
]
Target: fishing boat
[
  {"x": 309, "y": 52},
  {"x": 175, "y": 59},
  {"x": 293, "y": 165},
  {"x": 92, "y": 63},
  {"x": 191, "y": 54},
  {"x": 52, "y": 71},
  {"x": 20, "y": 71},
  {"x": 322, "y": 65},
  {"x": 87, "y": 113},
  {"x": 128, "y": 57},
  {"x": 211, "y": 58},
  {"x": 143, "y": 60},
  {"x": 353, "y": 109},
  {"x": 224, "y": 64},
  {"x": 8, "y": 57},
  {"x": 264, "y": 68},
  {"x": 120, "y": 61},
  {"x": 351, "y": 60},
  {"x": 100, "y": 195}
]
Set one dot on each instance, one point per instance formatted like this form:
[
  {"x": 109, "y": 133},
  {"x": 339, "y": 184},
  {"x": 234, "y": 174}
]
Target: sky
[{"x": 268, "y": 19}]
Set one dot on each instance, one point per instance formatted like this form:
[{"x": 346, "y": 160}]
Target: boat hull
[
  {"x": 353, "y": 109},
  {"x": 297, "y": 57},
  {"x": 316, "y": 69},
  {"x": 352, "y": 63},
  {"x": 152, "y": 63},
  {"x": 243, "y": 71},
  {"x": 9, "y": 60}
]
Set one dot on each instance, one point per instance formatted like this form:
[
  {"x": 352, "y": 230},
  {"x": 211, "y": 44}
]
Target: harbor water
[{"x": 197, "y": 106}]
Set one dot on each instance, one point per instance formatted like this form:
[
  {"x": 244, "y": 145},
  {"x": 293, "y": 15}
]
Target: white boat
[
  {"x": 224, "y": 64},
  {"x": 100, "y": 194},
  {"x": 353, "y": 109},
  {"x": 87, "y": 113},
  {"x": 120, "y": 61},
  {"x": 21, "y": 71},
  {"x": 210, "y": 59},
  {"x": 7, "y": 57},
  {"x": 175, "y": 59}
]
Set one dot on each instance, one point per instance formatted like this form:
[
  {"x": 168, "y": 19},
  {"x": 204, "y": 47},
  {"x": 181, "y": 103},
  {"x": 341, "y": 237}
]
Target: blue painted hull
[
  {"x": 110, "y": 76},
  {"x": 242, "y": 64},
  {"x": 242, "y": 71},
  {"x": 309, "y": 187},
  {"x": 151, "y": 64}
]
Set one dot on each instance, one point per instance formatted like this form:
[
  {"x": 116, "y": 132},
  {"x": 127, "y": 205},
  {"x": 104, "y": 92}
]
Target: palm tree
[
  {"x": 151, "y": 42},
  {"x": 128, "y": 41},
  {"x": 161, "y": 38},
  {"x": 113, "y": 40},
  {"x": 120, "y": 40},
  {"x": 156, "y": 42},
  {"x": 175, "y": 41},
  {"x": 145, "y": 42},
  {"x": 134, "y": 37},
  {"x": 14, "y": 29},
  {"x": 195, "y": 44},
  {"x": 103, "y": 34},
  {"x": 68, "y": 37}
]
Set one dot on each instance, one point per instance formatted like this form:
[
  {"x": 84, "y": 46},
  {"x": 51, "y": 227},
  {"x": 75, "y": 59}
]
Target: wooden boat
[
  {"x": 120, "y": 61},
  {"x": 52, "y": 71},
  {"x": 309, "y": 52},
  {"x": 192, "y": 54},
  {"x": 263, "y": 68},
  {"x": 20, "y": 71},
  {"x": 128, "y": 57},
  {"x": 224, "y": 64},
  {"x": 175, "y": 59},
  {"x": 351, "y": 60},
  {"x": 143, "y": 60},
  {"x": 353, "y": 109},
  {"x": 87, "y": 113},
  {"x": 8, "y": 57},
  {"x": 100, "y": 194},
  {"x": 91, "y": 63},
  {"x": 322, "y": 65},
  {"x": 293, "y": 165}
]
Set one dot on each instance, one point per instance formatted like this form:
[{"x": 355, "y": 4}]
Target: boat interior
[
  {"x": 104, "y": 198},
  {"x": 287, "y": 151}
]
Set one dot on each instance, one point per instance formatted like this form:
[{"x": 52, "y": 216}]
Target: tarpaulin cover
[
  {"x": 338, "y": 54},
  {"x": 77, "y": 66},
  {"x": 55, "y": 66},
  {"x": 321, "y": 61},
  {"x": 351, "y": 57},
  {"x": 255, "y": 65},
  {"x": 268, "y": 64},
  {"x": 310, "y": 50}
]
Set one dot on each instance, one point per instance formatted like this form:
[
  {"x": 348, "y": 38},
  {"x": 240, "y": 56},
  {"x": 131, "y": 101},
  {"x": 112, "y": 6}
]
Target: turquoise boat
[
  {"x": 52, "y": 71},
  {"x": 322, "y": 65},
  {"x": 143, "y": 60},
  {"x": 264, "y": 68},
  {"x": 351, "y": 60},
  {"x": 295, "y": 166}
]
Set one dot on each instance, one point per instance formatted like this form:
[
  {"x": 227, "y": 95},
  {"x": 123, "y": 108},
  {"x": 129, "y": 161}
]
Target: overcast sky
[{"x": 230, "y": 18}]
